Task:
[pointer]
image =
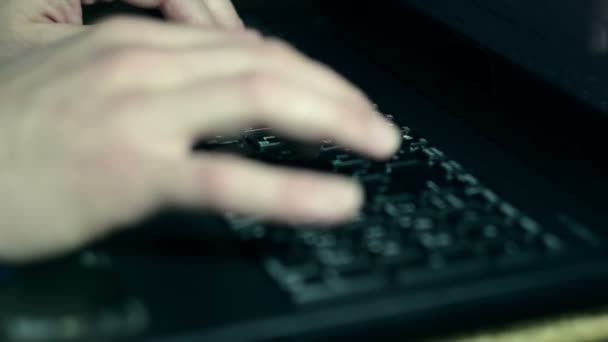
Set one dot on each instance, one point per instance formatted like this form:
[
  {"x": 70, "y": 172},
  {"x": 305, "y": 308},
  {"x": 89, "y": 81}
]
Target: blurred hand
[
  {"x": 27, "y": 23},
  {"x": 96, "y": 130}
]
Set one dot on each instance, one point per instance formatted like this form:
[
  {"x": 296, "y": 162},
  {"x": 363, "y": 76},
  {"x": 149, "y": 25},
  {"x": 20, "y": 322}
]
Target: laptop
[{"x": 493, "y": 211}]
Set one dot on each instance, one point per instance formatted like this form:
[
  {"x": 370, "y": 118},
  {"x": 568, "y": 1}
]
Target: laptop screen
[
  {"x": 565, "y": 42},
  {"x": 573, "y": 24}
]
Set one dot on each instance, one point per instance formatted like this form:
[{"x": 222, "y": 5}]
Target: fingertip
[
  {"x": 384, "y": 137},
  {"x": 338, "y": 200},
  {"x": 389, "y": 141}
]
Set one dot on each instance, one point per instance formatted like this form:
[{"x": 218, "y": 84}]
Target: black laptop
[{"x": 493, "y": 211}]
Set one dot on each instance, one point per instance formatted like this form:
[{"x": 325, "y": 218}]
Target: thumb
[{"x": 183, "y": 11}]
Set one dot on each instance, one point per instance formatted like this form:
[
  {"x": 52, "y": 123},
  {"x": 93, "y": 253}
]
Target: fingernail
[
  {"x": 386, "y": 138},
  {"x": 338, "y": 201}
]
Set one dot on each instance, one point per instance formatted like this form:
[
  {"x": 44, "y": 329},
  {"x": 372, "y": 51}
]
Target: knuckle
[{"x": 258, "y": 82}]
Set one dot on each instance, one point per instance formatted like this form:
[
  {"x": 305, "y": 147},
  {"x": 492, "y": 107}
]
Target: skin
[
  {"x": 33, "y": 23},
  {"x": 96, "y": 129}
]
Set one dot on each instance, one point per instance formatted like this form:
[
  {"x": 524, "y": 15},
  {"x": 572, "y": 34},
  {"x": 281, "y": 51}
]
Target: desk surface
[{"x": 580, "y": 327}]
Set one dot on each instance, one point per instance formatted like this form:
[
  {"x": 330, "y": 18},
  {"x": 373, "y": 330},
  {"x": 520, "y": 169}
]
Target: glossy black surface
[{"x": 563, "y": 42}]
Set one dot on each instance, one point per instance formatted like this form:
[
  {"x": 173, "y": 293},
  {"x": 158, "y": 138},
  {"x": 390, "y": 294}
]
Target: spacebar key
[
  {"x": 361, "y": 284},
  {"x": 337, "y": 288},
  {"x": 408, "y": 278}
]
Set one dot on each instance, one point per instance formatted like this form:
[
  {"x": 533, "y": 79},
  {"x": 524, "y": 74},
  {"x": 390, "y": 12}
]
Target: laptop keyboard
[{"x": 426, "y": 221}]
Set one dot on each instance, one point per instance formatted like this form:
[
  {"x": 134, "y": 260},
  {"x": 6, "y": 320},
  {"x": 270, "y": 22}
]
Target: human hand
[
  {"x": 30, "y": 23},
  {"x": 96, "y": 131}
]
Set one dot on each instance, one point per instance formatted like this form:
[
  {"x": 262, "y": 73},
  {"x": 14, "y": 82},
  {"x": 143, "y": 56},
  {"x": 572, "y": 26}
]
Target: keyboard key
[
  {"x": 432, "y": 241},
  {"x": 350, "y": 167},
  {"x": 374, "y": 184},
  {"x": 394, "y": 167},
  {"x": 457, "y": 252},
  {"x": 400, "y": 207},
  {"x": 519, "y": 260},
  {"x": 529, "y": 226},
  {"x": 336, "y": 257},
  {"x": 358, "y": 284},
  {"x": 357, "y": 267},
  {"x": 311, "y": 294},
  {"x": 433, "y": 155},
  {"x": 404, "y": 257},
  {"x": 335, "y": 288},
  {"x": 289, "y": 273},
  {"x": 408, "y": 177},
  {"x": 552, "y": 243},
  {"x": 318, "y": 239},
  {"x": 334, "y": 285},
  {"x": 420, "y": 277},
  {"x": 424, "y": 223}
]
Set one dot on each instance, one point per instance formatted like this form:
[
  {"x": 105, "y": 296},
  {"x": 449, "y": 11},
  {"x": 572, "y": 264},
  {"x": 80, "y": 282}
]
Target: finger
[
  {"x": 224, "y": 13},
  {"x": 184, "y": 11},
  {"x": 76, "y": 12},
  {"x": 236, "y": 185},
  {"x": 131, "y": 31},
  {"x": 162, "y": 34},
  {"x": 188, "y": 11},
  {"x": 62, "y": 12},
  {"x": 233, "y": 58},
  {"x": 229, "y": 105}
]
